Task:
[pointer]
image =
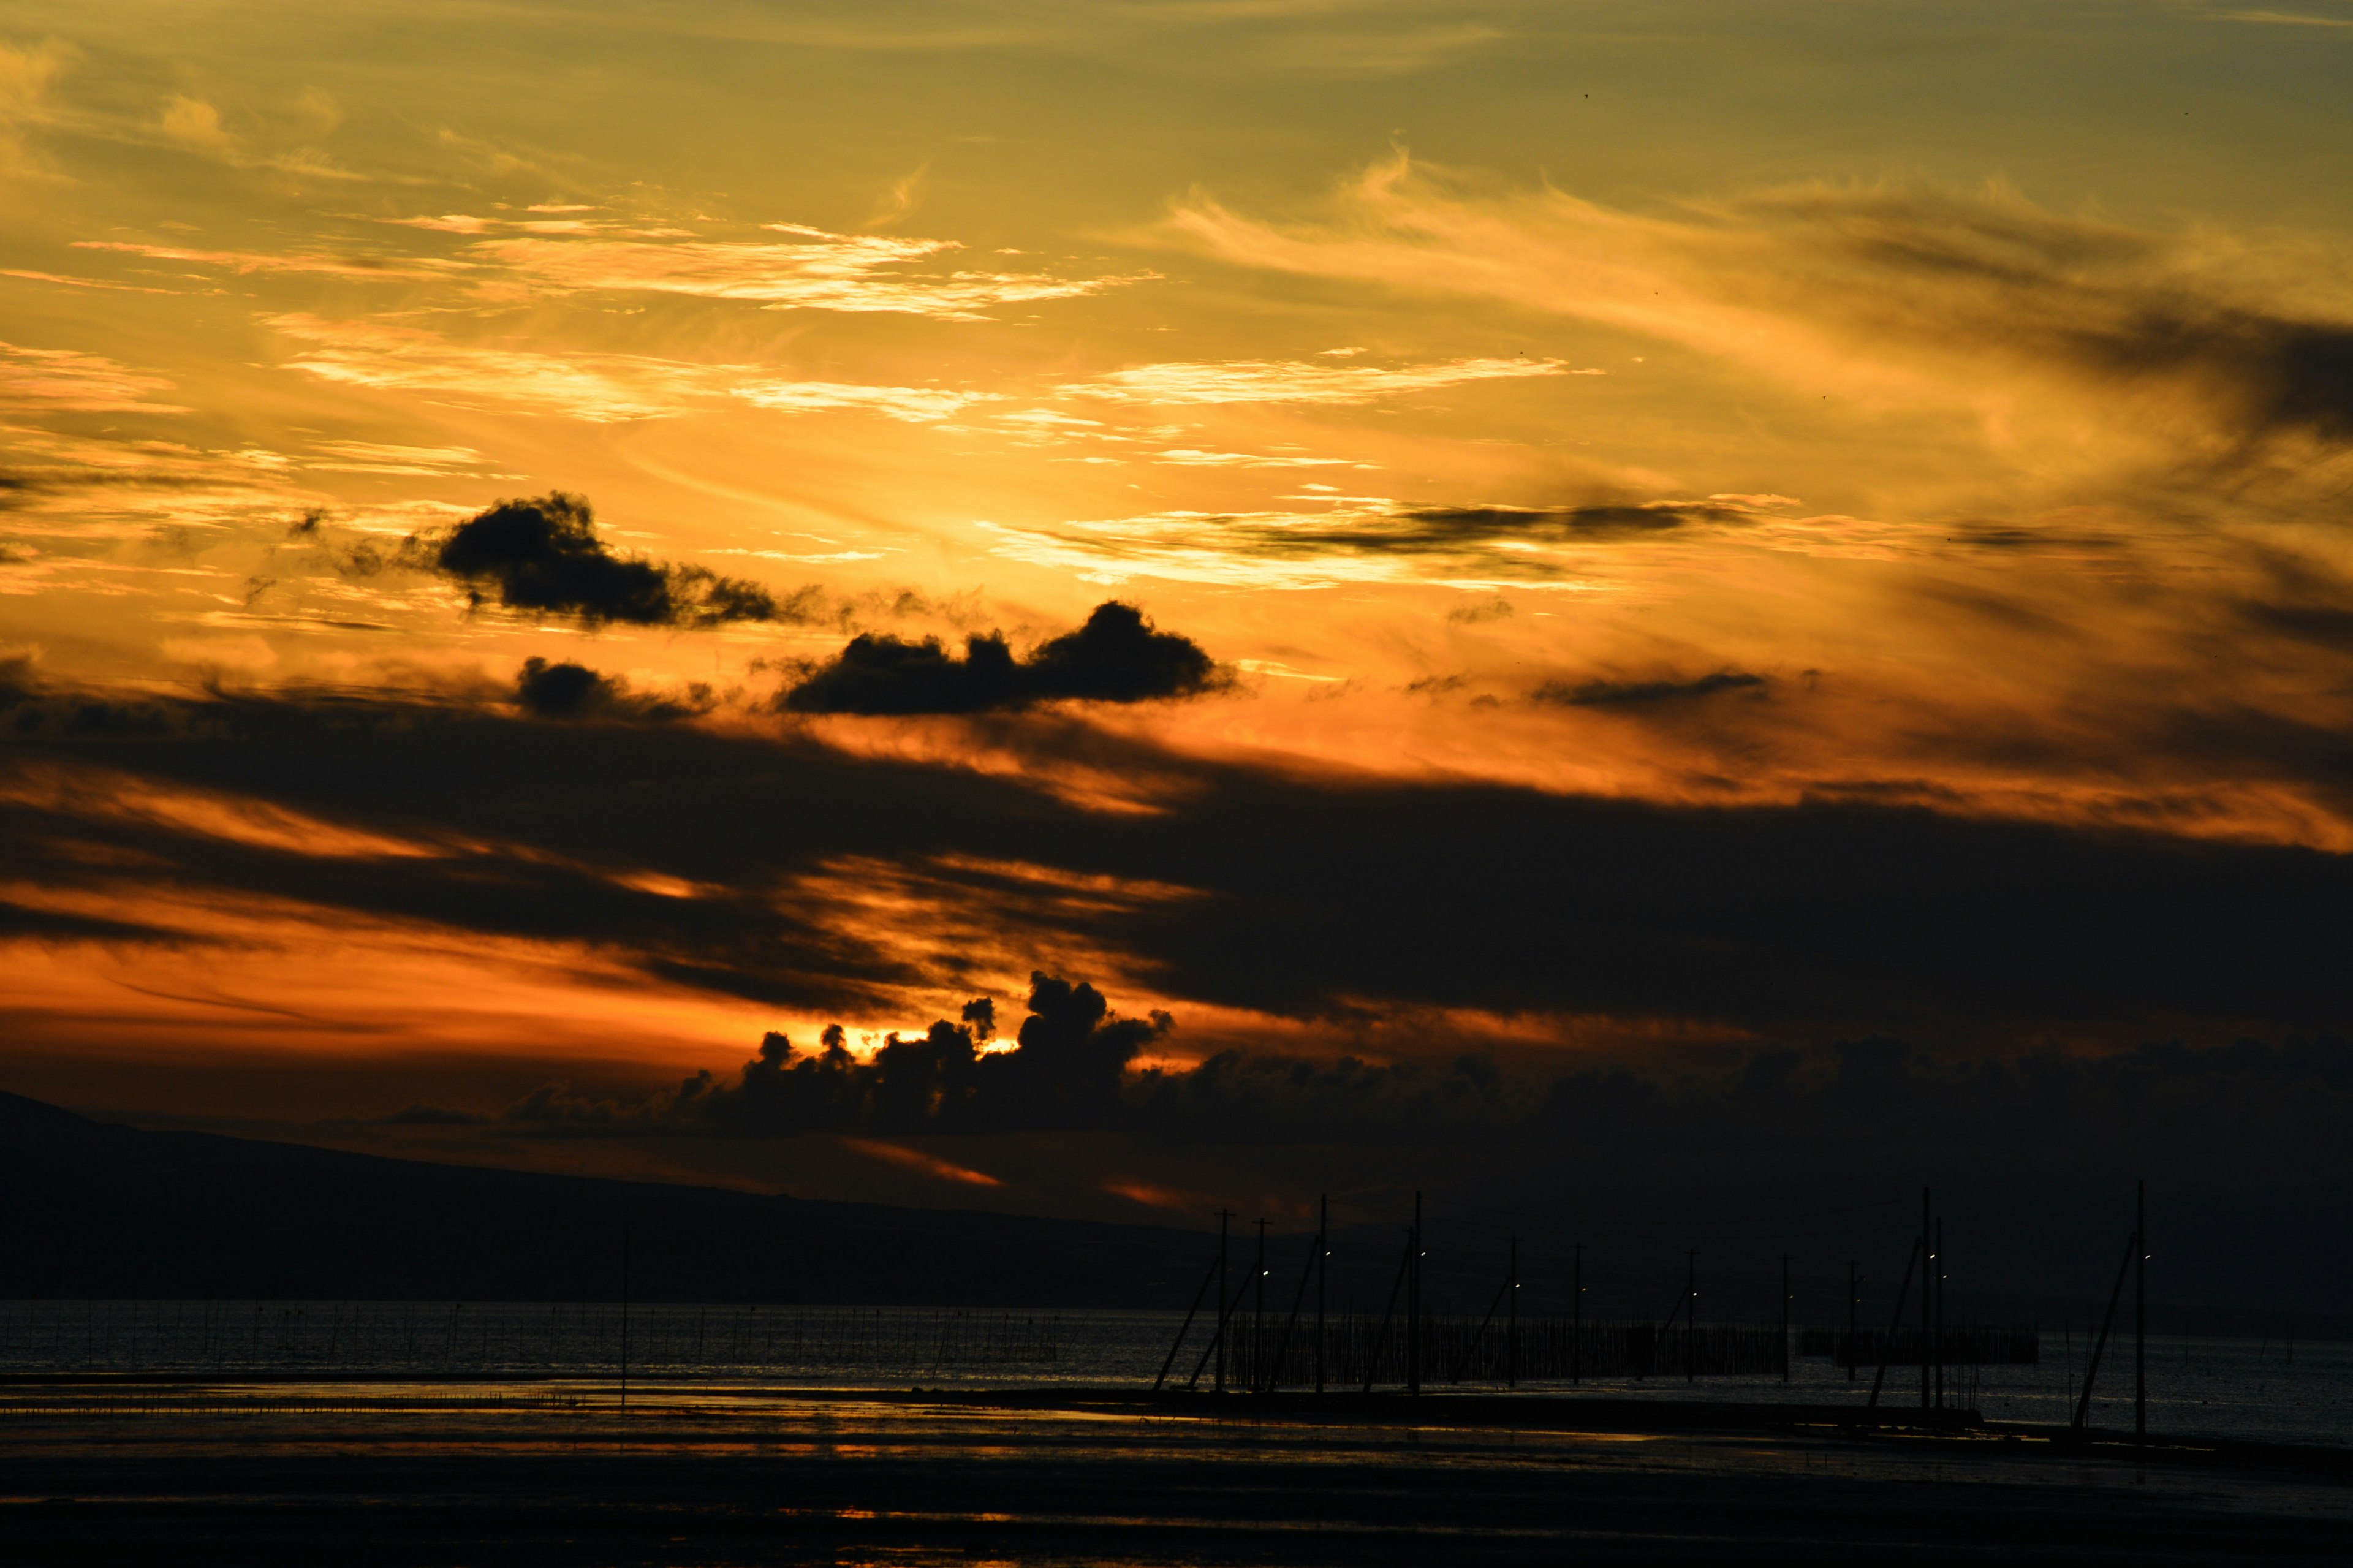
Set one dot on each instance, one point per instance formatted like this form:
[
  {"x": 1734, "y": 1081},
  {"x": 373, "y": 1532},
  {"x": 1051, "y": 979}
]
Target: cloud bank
[{"x": 861, "y": 884}]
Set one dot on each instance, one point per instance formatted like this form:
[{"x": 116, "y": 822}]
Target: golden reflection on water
[{"x": 98, "y": 1421}]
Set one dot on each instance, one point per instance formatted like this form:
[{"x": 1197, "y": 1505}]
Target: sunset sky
[{"x": 1717, "y": 535}]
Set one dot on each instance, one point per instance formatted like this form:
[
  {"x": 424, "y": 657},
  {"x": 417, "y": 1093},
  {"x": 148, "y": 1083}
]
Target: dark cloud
[
  {"x": 21, "y": 921},
  {"x": 543, "y": 554},
  {"x": 20, "y": 484},
  {"x": 1647, "y": 693},
  {"x": 1494, "y": 543},
  {"x": 1474, "y": 531},
  {"x": 2272, "y": 373},
  {"x": 1445, "y": 527},
  {"x": 1117, "y": 656},
  {"x": 2326, "y": 625}
]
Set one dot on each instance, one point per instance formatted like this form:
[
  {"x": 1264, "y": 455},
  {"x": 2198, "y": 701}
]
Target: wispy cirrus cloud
[
  {"x": 1294, "y": 381},
  {"x": 601, "y": 387},
  {"x": 68, "y": 282},
  {"x": 808, "y": 270},
  {"x": 469, "y": 224},
  {"x": 811, "y": 269},
  {"x": 2278, "y": 18},
  {"x": 1195, "y": 457},
  {"x": 28, "y": 76},
  {"x": 2070, "y": 339},
  {"x": 915, "y": 405},
  {"x": 391, "y": 268},
  {"x": 386, "y": 457},
  {"x": 66, "y": 379}
]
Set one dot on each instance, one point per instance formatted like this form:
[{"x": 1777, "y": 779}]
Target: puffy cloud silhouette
[
  {"x": 1067, "y": 1070},
  {"x": 568, "y": 691},
  {"x": 562, "y": 691},
  {"x": 543, "y": 553},
  {"x": 1117, "y": 656}
]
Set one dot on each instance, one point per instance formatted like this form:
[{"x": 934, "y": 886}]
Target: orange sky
[{"x": 1939, "y": 407}]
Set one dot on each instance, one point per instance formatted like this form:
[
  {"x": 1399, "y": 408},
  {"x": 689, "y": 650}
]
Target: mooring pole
[
  {"x": 1258, "y": 1310},
  {"x": 1225, "y": 1218},
  {"x": 1940, "y": 1312},
  {"x": 2100, "y": 1345},
  {"x": 1290, "y": 1324},
  {"x": 1895, "y": 1320},
  {"x": 1852, "y": 1299},
  {"x": 1928, "y": 1288},
  {"x": 1322, "y": 1265},
  {"x": 1413, "y": 1306},
  {"x": 1186, "y": 1327},
  {"x": 1511, "y": 1323},
  {"x": 1388, "y": 1313},
  {"x": 2140, "y": 1312},
  {"x": 1577, "y": 1319},
  {"x": 625, "y": 1316},
  {"x": 1785, "y": 1317},
  {"x": 1691, "y": 1317},
  {"x": 1225, "y": 1313}
]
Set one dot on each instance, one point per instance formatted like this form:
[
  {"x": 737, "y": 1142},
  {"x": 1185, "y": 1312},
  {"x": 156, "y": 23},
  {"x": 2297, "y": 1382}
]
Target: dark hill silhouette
[{"x": 93, "y": 1209}]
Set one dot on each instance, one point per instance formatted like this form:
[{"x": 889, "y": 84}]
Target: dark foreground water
[
  {"x": 126, "y": 1468},
  {"x": 2247, "y": 1389}
]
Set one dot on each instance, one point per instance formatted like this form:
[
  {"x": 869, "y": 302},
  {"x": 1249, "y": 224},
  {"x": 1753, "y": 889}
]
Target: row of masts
[{"x": 1240, "y": 1353}]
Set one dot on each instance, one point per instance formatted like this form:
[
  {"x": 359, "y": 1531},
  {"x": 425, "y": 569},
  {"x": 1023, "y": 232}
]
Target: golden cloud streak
[
  {"x": 1269, "y": 381},
  {"x": 818, "y": 271},
  {"x": 91, "y": 383},
  {"x": 2075, "y": 343},
  {"x": 602, "y": 388}
]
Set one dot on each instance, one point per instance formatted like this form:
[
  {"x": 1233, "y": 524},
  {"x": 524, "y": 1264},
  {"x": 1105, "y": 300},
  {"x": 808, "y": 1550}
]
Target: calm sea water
[{"x": 2271, "y": 1390}]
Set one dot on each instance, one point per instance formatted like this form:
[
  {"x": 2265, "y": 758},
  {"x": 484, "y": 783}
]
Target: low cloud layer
[
  {"x": 542, "y": 555},
  {"x": 1072, "y": 1070},
  {"x": 1117, "y": 656}
]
